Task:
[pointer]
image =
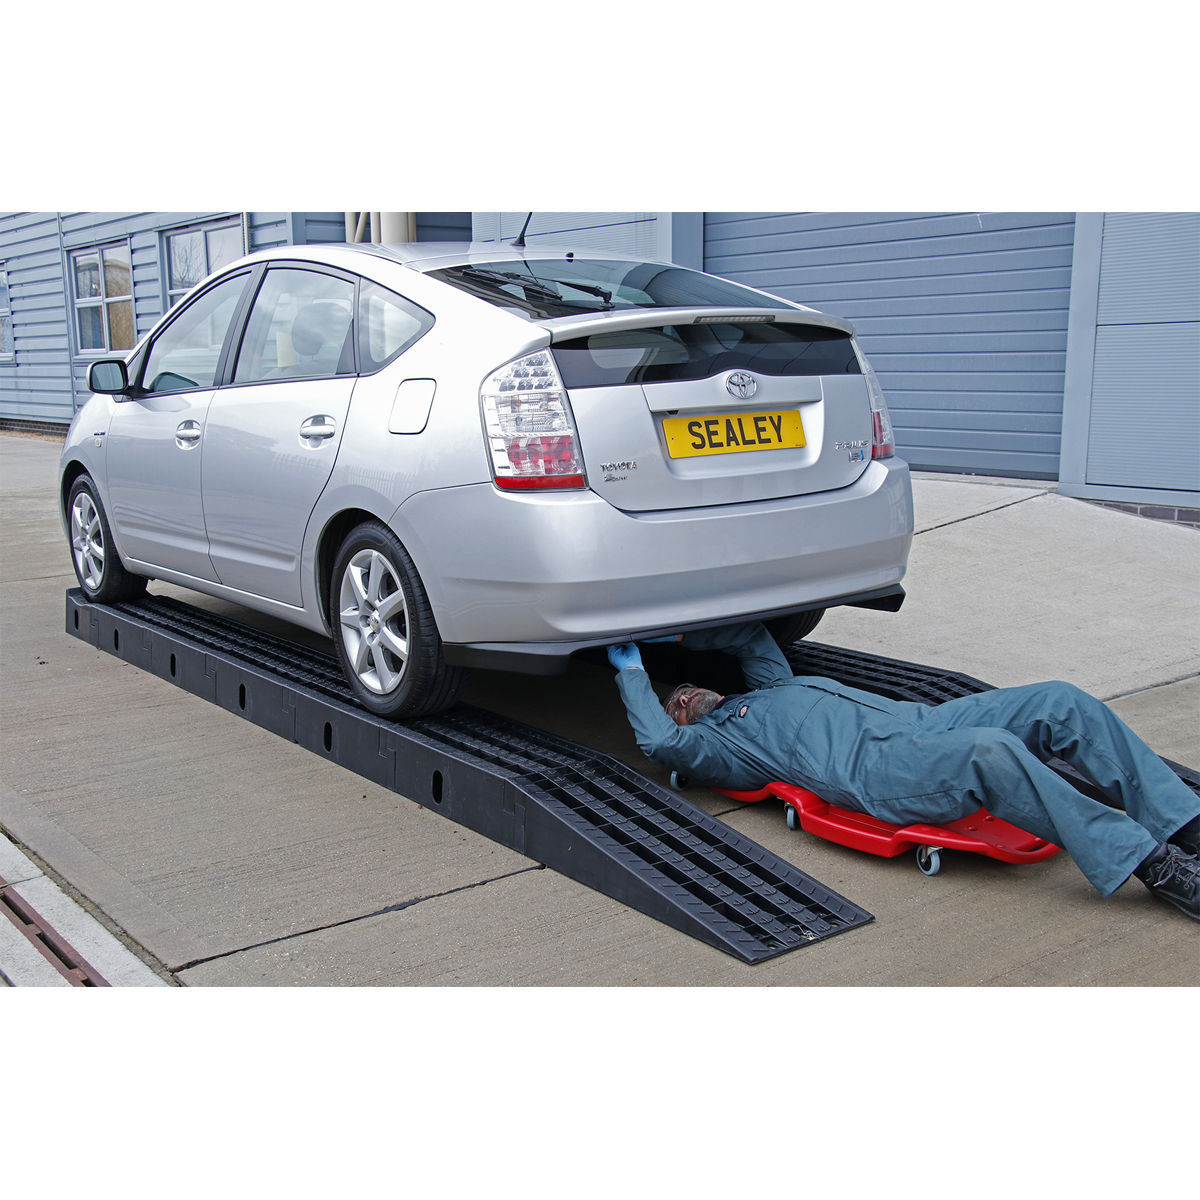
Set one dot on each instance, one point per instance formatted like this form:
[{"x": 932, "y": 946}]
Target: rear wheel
[
  {"x": 386, "y": 638},
  {"x": 97, "y": 565},
  {"x": 786, "y": 630}
]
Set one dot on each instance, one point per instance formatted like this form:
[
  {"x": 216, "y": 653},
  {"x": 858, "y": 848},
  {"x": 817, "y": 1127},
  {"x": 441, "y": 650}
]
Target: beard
[{"x": 703, "y": 702}]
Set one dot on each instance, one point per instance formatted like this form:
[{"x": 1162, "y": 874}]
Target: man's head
[{"x": 688, "y": 703}]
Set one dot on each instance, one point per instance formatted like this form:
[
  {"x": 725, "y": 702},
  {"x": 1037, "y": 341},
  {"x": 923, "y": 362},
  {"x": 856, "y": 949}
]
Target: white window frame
[
  {"x": 7, "y": 354},
  {"x": 102, "y": 301},
  {"x": 172, "y": 295}
]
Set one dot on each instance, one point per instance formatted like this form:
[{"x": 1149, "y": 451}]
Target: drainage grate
[
  {"x": 580, "y": 811},
  {"x": 57, "y": 951}
]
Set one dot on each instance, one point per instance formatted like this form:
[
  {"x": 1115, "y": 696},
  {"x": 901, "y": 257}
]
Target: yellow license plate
[{"x": 690, "y": 437}]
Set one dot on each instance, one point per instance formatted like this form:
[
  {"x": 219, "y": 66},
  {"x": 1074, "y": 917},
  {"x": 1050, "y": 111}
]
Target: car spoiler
[{"x": 563, "y": 328}]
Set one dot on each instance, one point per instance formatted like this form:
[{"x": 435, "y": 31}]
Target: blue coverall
[{"x": 906, "y": 762}]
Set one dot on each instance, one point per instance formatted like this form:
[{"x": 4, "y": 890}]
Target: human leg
[
  {"x": 938, "y": 776},
  {"x": 1059, "y": 720}
]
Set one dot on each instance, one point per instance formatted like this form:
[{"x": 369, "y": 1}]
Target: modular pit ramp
[{"x": 577, "y": 810}]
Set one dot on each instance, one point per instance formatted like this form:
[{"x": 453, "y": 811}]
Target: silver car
[{"x": 448, "y": 456}]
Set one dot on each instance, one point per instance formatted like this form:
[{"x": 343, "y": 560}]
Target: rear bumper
[
  {"x": 545, "y": 575},
  {"x": 553, "y": 658}
]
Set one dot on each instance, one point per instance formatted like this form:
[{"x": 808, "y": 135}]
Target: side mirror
[{"x": 108, "y": 377}]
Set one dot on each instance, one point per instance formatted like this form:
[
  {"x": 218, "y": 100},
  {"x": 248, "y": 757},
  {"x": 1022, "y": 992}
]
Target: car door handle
[
  {"x": 318, "y": 428},
  {"x": 187, "y": 434}
]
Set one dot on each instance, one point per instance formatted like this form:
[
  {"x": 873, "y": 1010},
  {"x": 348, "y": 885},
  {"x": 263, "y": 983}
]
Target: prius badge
[{"x": 741, "y": 384}]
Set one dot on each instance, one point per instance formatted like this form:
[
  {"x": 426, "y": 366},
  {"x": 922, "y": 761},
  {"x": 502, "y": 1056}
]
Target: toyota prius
[{"x": 447, "y": 456}]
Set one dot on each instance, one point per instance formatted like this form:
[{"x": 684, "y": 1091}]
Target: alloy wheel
[
  {"x": 374, "y": 621},
  {"x": 87, "y": 541}
]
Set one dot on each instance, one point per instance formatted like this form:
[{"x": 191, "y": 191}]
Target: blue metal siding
[
  {"x": 633, "y": 233},
  {"x": 1149, "y": 268},
  {"x": 1144, "y": 422},
  {"x": 444, "y": 227},
  {"x": 268, "y": 230},
  {"x": 36, "y": 385},
  {"x": 963, "y": 315}
]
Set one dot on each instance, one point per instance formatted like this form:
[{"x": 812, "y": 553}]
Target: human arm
[
  {"x": 763, "y": 663},
  {"x": 690, "y": 749}
]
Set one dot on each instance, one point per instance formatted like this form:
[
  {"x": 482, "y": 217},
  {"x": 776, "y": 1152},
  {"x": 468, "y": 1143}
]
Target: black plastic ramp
[{"x": 581, "y": 812}]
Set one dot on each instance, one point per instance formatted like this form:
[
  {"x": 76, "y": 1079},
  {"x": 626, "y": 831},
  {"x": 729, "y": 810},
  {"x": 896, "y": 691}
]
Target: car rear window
[
  {"x": 670, "y": 352},
  {"x": 563, "y": 287}
]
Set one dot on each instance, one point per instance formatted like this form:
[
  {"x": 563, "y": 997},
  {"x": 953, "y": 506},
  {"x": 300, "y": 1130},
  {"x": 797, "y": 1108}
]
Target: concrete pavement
[{"x": 234, "y": 858}]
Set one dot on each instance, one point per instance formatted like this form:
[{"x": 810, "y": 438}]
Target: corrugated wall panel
[
  {"x": 147, "y": 280},
  {"x": 1150, "y": 268},
  {"x": 635, "y": 234},
  {"x": 319, "y": 227},
  {"x": 36, "y": 384},
  {"x": 958, "y": 312},
  {"x": 1144, "y": 426},
  {"x": 444, "y": 227},
  {"x": 271, "y": 229}
]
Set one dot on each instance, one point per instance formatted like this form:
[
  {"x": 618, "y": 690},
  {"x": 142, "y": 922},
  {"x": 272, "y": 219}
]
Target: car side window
[
  {"x": 301, "y": 327},
  {"x": 388, "y": 324},
  {"x": 186, "y": 353}
]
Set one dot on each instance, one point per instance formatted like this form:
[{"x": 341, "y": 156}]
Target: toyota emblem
[{"x": 741, "y": 384}]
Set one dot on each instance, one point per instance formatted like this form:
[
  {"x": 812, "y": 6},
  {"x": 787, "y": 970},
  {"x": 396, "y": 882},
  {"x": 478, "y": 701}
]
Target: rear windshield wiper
[
  {"x": 529, "y": 285},
  {"x": 533, "y": 287},
  {"x": 592, "y": 291}
]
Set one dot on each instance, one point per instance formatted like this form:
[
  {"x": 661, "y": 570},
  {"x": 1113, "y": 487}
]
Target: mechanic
[{"x": 906, "y": 762}]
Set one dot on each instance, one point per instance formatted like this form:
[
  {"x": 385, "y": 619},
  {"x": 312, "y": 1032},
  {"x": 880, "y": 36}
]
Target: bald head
[{"x": 688, "y": 703}]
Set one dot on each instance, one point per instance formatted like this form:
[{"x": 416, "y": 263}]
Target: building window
[
  {"x": 6, "y": 329},
  {"x": 194, "y": 254},
  {"x": 103, "y": 298}
]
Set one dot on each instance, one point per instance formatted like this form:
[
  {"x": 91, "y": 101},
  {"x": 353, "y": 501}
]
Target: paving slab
[
  {"x": 236, "y": 834},
  {"x": 202, "y": 836},
  {"x": 975, "y": 924},
  {"x": 1049, "y": 588},
  {"x": 15, "y": 867},
  {"x": 1167, "y": 718},
  {"x": 943, "y": 501}
]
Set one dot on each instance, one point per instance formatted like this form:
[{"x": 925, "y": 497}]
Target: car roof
[{"x": 426, "y": 257}]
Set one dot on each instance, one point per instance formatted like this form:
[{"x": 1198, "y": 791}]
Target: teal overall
[{"x": 905, "y": 762}]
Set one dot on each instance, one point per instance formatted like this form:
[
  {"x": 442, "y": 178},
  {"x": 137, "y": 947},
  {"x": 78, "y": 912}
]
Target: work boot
[
  {"x": 1188, "y": 838},
  {"x": 1172, "y": 876}
]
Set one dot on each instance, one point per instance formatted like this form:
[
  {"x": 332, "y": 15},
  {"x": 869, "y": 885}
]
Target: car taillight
[
  {"x": 883, "y": 440},
  {"x": 530, "y": 430}
]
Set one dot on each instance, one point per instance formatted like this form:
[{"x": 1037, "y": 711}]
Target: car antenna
[{"x": 519, "y": 240}]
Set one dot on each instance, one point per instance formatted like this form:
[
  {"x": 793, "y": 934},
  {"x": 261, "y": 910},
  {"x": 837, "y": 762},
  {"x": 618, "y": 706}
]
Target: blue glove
[{"x": 625, "y": 656}]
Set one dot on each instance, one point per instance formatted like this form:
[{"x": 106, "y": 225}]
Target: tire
[
  {"x": 786, "y": 630},
  {"x": 383, "y": 628},
  {"x": 98, "y": 566},
  {"x": 929, "y": 860}
]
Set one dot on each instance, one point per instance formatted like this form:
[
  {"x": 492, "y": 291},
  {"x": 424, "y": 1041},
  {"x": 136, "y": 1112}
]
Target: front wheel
[
  {"x": 97, "y": 565},
  {"x": 386, "y": 638}
]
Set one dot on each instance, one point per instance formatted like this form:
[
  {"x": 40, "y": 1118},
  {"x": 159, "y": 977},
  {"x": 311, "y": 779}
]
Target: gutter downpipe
[{"x": 67, "y": 308}]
